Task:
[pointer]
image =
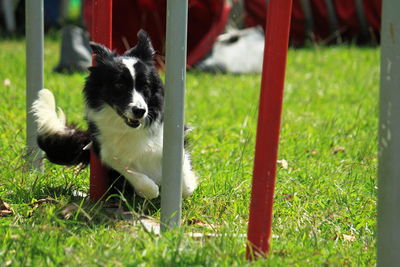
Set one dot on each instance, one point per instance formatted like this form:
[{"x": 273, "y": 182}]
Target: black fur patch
[
  {"x": 66, "y": 149},
  {"x": 143, "y": 50}
]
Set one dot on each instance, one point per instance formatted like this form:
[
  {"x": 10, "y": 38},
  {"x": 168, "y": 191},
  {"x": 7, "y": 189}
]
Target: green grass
[{"x": 325, "y": 202}]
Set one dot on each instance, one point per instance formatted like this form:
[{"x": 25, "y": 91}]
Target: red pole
[
  {"x": 269, "y": 118},
  {"x": 101, "y": 32}
]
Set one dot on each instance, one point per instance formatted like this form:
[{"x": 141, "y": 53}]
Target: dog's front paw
[
  {"x": 144, "y": 186},
  {"x": 189, "y": 184},
  {"x": 187, "y": 190},
  {"x": 147, "y": 189}
]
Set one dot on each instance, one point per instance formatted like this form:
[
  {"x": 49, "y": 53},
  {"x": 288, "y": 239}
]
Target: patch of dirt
[{"x": 5, "y": 209}]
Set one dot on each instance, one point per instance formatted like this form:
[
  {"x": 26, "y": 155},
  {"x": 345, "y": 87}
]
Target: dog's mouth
[{"x": 132, "y": 122}]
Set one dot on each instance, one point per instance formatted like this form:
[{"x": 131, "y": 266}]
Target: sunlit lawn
[{"x": 325, "y": 202}]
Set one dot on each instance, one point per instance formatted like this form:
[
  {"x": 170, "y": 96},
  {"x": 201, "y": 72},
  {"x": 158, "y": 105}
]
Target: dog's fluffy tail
[{"x": 62, "y": 143}]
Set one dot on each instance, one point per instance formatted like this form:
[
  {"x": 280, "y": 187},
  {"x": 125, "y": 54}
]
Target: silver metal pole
[
  {"x": 9, "y": 18},
  {"x": 333, "y": 23},
  {"x": 34, "y": 73},
  {"x": 362, "y": 18},
  {"x": 306, "y": 6},
  {"x": 389, "y": 138},
  {"x": 175, "y": 78},
  {"x": 64, "y": 8}
]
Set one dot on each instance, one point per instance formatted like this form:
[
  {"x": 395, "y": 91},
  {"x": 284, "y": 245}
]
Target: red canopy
[{"x": 341, "y": 20}]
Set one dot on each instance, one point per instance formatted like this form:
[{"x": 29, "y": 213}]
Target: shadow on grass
[
  {"x": 67, "y": 203},
  {"x": 118, "y": 204}
]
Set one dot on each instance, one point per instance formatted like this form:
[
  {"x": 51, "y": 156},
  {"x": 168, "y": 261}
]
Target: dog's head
[{"x": 129, "y": 83}]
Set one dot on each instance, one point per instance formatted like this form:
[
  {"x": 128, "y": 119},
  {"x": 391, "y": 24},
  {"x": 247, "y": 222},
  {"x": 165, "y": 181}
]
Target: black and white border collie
[{"x": 124, "y": 98}]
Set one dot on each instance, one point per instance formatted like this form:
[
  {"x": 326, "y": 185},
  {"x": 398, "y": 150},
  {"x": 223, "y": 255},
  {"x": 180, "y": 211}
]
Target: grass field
[{"x": 325, "y": 202}]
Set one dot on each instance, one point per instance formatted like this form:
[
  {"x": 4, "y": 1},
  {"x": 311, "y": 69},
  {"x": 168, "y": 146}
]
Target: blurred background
[{"x": 223, "y": 36}]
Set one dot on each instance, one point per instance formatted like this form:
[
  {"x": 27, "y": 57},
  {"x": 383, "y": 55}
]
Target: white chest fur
[{"x": 127, "y": 149}]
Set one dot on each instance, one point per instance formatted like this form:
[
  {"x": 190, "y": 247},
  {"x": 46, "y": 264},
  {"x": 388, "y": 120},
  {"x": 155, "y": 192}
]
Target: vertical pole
[
  {"x": 64, "y": 9},
  {"x": 34, "y": 74},
  {"x": 9, "y": 18},
  {"x": 175, "y": 78},
  {"x": 389, "y": 138},
  {"x": 269, "y": 118},
  {"x": 101, "y": 32},
  {"x": 362, "y": 19},
  {"x": 306, "y": 6},
  {"x": 333, "y": 22}
]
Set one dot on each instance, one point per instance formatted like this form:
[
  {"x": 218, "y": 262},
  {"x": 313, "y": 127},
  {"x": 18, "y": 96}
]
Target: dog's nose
[{"x": 138, "y": 112}]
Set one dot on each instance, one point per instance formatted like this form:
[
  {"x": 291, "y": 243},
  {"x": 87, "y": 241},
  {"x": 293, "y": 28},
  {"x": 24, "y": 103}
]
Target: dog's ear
[
  {"x": 102, "y": 52},
  {"x": 143, "y": 49}
]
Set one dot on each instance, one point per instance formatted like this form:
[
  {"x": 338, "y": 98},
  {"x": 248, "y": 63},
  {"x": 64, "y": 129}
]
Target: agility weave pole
[
  {"x": 34, "y": 75},
  {"x": 175, "y": 79},
  {"x": 269, "y": 119},
  {"x": 101, "y": 32},
  {"x": 388, "y": 219}
]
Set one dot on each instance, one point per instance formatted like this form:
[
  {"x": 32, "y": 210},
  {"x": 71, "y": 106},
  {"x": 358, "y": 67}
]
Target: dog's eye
[{"x": 120, "y": 86}]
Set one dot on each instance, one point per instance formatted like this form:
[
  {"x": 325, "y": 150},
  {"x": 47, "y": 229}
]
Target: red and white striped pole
[
  {"x": 101, "y": 32},
  {"x": 269, "y": 118}
]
